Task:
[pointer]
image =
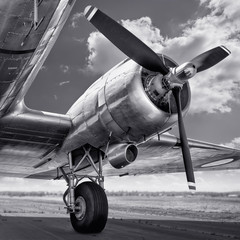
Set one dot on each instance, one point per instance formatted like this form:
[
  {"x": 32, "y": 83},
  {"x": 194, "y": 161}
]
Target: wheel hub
[{"x": 80, "y": 208}]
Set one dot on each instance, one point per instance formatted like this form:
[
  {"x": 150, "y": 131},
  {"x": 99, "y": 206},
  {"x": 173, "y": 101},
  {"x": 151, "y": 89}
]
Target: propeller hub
[{"x": 177, "y": 76}]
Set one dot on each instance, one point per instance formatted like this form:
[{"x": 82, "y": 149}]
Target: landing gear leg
[{"x": 87, "y": 202}]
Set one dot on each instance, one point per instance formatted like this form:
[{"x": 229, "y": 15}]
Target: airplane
[{"x": 119, "y": 126}]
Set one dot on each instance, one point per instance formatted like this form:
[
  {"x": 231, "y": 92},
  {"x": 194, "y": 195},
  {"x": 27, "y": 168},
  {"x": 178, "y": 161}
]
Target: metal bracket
[
  {"x": 36, "y": 21},
  {"x": 72, "y": 178},
  {"x": 87, "y": 156},
  {"x": 35, "y": 14}
]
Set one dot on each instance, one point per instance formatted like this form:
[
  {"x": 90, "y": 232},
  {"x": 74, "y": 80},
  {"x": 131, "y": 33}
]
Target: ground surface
[{"x": 130, "y": 217}]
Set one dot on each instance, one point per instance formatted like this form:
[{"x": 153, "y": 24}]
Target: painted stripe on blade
[
  {"x": 89, "y": 12},
  {"x": 226, "y": 50},
  {"x": 191, "y": 186}
]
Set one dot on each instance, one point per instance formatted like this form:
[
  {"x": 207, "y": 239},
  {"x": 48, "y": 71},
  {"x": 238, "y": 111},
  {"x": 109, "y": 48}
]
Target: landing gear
[
  {"x": 91, "y": 208},
  {"x": 87, "y": 202}
]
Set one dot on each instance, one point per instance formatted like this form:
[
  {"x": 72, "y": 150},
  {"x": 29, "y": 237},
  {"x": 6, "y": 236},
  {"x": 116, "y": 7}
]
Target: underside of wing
[
  {"x": 27, "y": 33},
  {"x": 163, "y": 155}
]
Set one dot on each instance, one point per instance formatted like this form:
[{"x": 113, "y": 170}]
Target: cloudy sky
[{"x": 179, "y": 29}]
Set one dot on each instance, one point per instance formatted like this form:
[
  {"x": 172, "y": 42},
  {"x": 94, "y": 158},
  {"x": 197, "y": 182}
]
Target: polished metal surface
[
  {"x": 163, "y": 155},
  {"x": 117, "y": 104},
  {"x": 121, "y": 155},
  {"x": 29, "y": 139},
  {"x": 23, "y": 49},
  {"x": 116, "y": 109}
]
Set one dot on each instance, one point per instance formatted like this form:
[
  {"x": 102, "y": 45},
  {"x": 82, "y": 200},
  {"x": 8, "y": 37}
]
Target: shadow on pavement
[{"x": 24, "y": 228}]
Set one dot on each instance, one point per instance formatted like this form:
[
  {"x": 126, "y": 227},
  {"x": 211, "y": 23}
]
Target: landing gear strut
[{"x": 87, "y": 202}]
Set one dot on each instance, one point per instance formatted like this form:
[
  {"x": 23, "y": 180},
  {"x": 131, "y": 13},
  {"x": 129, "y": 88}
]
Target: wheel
[{"x": 91, "y": 210}]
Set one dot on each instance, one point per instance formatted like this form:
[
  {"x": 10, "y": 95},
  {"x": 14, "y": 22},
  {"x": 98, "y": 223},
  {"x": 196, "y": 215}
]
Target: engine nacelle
[
  {"x": 128, "y": 103},
  {"x": 121, "y": 155}
]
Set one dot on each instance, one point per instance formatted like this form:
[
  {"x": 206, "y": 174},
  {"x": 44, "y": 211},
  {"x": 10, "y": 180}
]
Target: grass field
[
  {"x": 201, "y": 206},
  {"x": 215, "y": 207}
]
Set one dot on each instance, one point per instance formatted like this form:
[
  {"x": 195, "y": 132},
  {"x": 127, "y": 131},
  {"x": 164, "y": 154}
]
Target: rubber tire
[{"x": 96, "y": 214}]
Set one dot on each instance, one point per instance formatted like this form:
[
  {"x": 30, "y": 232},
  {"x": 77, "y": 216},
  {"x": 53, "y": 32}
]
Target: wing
[
  {"x": 28, "y": 31},
  {"x": 25, "y": 41},
  {"x": 163, "y": 155}
]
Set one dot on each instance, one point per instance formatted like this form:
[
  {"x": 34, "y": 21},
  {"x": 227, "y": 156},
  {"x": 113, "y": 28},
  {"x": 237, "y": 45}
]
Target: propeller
[
  {"x": 125, "y": 41},
  {"x": 210, "y": 58},
  {"x": 184, "y": 142},
  {"x": 135, "y": 49}
]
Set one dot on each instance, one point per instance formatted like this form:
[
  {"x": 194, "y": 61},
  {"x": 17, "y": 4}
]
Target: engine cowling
[
  {"x": 139, "y": 105},
  {"x": 121, "y": 155},
  {"x": 129, "y": 103}
]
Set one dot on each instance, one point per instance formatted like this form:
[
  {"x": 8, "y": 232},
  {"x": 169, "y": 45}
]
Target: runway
[{"x": 49, "y": 228}]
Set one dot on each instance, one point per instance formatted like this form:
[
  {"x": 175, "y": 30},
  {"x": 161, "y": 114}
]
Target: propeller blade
[
  {"x": 125, "y": 41},
  {"x": 184, "y": 142},
  {"x": 210, "y": 58}
]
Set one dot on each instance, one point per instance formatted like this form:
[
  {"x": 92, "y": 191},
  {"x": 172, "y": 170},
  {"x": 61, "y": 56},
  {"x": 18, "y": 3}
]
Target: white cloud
[
  {"x": 64, "y": 68},
  {"x": 55, "y": 97},
  {"x": 103, "y": 54},
  {"x": 76, "y": 18},
  {"x": 235, "y": 143},
  {"x": 144, "y": 30},
  {"x": 229, "y": 8},
  {"x": 26, "y": 185},
  {"x": 79, "y": 40},
  {"x": 205, "y": 181},
  {"x": 63, "y": 83},
  {"x": 213, "y": 90},
  {"x": 43, "y": 68}
]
